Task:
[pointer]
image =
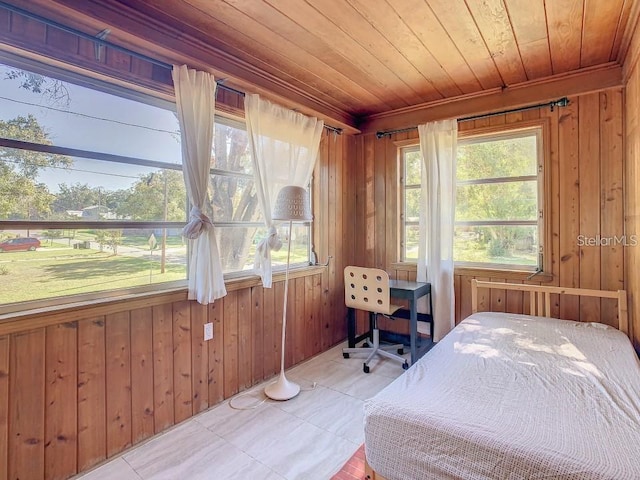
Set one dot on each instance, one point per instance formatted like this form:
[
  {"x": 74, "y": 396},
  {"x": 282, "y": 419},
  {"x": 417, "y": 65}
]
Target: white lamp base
[{"x": 282, "y": 389}]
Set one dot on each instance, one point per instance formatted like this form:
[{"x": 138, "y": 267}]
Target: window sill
[
  {"x": 19, "y": 321},
  {"x": 484, "y": 272},
  {"x": 239, "y": 283}
]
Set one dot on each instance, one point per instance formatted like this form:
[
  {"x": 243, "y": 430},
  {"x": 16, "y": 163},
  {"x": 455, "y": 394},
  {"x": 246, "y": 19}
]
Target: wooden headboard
[{"x": 540, "y": 298}]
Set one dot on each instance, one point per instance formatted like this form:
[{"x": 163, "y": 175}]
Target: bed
[{"x": 506, "y": 396}]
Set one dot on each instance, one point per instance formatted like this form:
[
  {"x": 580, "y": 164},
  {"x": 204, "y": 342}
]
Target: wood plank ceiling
[{"x": 363, "y": 57}]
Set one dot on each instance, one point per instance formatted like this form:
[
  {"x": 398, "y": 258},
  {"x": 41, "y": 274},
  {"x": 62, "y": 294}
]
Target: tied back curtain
[
  {"x": 195, "y": 102},
  {"x": 438, "y": 143},
  {"x": 284, "y": 147}
]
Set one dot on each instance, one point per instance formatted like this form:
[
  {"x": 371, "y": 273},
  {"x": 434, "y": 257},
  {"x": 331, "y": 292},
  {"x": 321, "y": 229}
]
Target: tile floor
[{"x": 306, "y": 438}]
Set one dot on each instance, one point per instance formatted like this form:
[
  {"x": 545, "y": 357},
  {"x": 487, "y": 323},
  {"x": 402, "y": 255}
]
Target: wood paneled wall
[
  {"x": 632, "y": 180},
  {"x": 586, "y": 178},
  {"x": 97, "y": 380}
]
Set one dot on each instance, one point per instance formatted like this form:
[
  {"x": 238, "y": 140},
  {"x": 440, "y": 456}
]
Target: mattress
[{"x": 512, "y": 397}]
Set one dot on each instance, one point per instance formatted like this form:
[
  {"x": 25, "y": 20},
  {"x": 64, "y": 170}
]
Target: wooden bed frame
[
  {"x": 539, "y": 305},
  {"x": 540, "y": 298}
]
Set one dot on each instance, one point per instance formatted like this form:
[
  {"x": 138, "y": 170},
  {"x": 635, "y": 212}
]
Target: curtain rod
[
  {"x": 562, "y": 102},
  {"x": 100, "y": 40}
]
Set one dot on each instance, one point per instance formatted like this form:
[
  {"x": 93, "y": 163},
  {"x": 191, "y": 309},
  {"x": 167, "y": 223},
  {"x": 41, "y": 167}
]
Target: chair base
[{"x": 377, "y": 349}]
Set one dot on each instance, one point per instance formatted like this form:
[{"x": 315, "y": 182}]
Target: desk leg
[
  {"x": 413, "y": 329},
  {"x": 433, "y": 318},
  {"x": 351, "y": 327}
]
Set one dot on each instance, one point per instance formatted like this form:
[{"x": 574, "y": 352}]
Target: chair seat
[{"x": 392, "y": 310}]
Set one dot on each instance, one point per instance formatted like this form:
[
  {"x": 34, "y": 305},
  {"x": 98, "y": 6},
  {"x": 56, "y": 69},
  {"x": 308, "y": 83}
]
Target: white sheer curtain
[
  {"x": 195, "y": 101},
  {"x": 284, "y": 147},
  {"x": 438, "y": 142}
]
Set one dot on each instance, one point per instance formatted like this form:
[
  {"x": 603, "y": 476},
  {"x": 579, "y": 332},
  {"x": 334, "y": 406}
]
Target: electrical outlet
[{"x": 208, "y": 331}]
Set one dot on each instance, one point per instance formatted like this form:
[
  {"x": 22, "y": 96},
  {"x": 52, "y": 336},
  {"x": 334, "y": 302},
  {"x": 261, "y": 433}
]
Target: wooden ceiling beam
[{"x": 526, "y": 93}]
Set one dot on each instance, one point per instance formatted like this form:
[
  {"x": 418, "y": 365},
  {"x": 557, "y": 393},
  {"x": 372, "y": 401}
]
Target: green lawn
[
  {"x": 465, "y": 251},
  {"x": 50, "y": 273},
  {"x": 58, "y": 269}
]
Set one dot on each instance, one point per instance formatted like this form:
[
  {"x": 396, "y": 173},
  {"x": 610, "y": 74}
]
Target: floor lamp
[{"x": 292, "y": 205}]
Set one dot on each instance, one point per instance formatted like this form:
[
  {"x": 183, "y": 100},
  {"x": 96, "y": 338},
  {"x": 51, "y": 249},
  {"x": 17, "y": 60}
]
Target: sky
[{"x": 98, "y": 122}]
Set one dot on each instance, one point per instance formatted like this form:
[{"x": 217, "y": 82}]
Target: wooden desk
[{"x": 401, "y": 289}]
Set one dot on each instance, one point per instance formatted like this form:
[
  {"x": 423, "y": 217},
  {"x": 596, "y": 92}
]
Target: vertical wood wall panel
[
  {"x": 290, "y": 340},
  {"x": 554, "y": 171},
  {"x": 589, "y": 172},
  {"x": 314, "y": 304},
  {"x": 245, "y": 342},
  {"x": 163, "y": 410},
  {"x": 61, "y": 389},
  {"x": 297, "y": 324},
  {"x": 569, "y": 208},
  {"x": 278, "y": 293},
  {"x": 142, "y": 424},
  {"x": 92, "y": 406},
  {"x": 258, "y": 334},
  {"x": 216, "y": 353},
  {"x": 320, "y": 236},
  {"x": 199, "y": 358},
  {"x": 333, "y": 209},
  {"x": 231, "y": 342},
  {"x": 118, "y": 355},
  {"x": 4, "y": 407},
  {"x": 269, "y": 347},
  {"x": 182, "y": 393},
  {"x": 611, "y": 195},
  {"x": 632, "y": 184},
  {"x": 26, "y": 405},
  {"x": 340, "y": 150}
]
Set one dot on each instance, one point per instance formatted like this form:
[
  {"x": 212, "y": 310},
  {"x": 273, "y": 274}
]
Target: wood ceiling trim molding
[
  {"x": 169, "y": 45},
  {"x": 576, "y": 83}
]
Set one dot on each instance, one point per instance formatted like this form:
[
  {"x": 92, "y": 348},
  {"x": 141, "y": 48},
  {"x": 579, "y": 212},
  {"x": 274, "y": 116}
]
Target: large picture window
[
  {"x": 499, "y": 200},
  {"x": 93, "y": 182}
]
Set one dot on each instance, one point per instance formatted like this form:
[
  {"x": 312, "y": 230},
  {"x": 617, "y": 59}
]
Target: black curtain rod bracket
[{"x": 562, "y": 102}]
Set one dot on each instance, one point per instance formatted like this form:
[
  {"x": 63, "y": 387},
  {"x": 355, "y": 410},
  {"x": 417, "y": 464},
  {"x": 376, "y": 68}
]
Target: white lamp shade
[{"x": 292, "y": 204}]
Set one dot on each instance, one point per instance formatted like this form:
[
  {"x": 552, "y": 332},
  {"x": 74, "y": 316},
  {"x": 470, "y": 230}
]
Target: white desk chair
[{"x": 368, "y": 289}]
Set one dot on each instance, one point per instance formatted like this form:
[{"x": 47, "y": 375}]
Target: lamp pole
[{"x": 283, "y": 389}]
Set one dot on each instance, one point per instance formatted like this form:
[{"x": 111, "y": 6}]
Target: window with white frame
[
  {"x": 94, "y": 175},
  {"x": 499, "y": 200}
]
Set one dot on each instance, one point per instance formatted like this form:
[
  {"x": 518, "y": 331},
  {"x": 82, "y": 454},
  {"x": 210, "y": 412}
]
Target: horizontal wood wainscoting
[
  {"x": 586, "y": 181},
  {"x": 80, "y": 386}
]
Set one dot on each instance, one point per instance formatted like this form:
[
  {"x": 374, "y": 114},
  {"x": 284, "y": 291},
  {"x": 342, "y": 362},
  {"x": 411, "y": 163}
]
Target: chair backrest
[{"x": 367, "y": 289}]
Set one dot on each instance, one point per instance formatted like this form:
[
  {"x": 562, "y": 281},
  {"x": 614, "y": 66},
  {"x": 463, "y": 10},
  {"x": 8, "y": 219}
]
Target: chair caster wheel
[
  {"x": 405, "y": 366},
  {"x": 365, "y": 368},
  {"x": 345, "y": 355},
  {"x": 401, "y": 351}
]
